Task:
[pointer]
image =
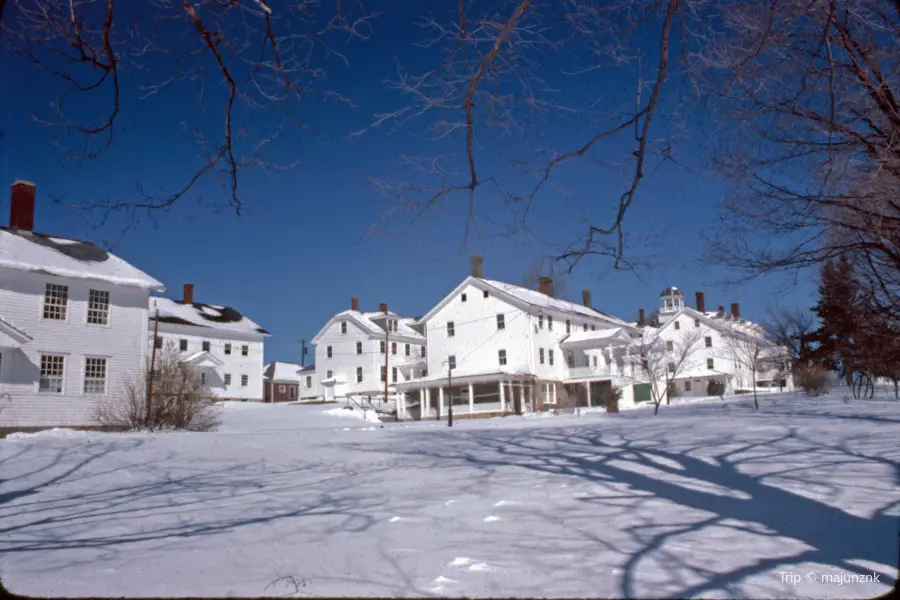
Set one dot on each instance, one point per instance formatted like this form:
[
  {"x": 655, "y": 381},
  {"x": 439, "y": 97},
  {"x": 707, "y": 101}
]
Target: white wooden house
[
  {"x": 356, "y": 351},
  {"x": 723, "y": 349},
  {"x": 73, "y": 323},
  {"x": 223, "y": 345},
  {"x": 494, "y": 347}
]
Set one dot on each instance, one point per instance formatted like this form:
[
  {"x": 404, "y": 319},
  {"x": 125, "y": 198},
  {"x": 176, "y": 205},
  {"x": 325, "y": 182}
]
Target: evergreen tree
[{"x": 839, "y": 343}]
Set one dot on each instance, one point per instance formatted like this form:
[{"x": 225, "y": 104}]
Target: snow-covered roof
[
  {"x": 283, "y": 371},
  {"x": 212, "y": 316},
  {"x": 366, "y": 322},
  {"x": 599, "y": 335},
  {"x": 542, "y": 300},
  {"x": 203, "y": 358},
  {"x": 38, "y": 252}
]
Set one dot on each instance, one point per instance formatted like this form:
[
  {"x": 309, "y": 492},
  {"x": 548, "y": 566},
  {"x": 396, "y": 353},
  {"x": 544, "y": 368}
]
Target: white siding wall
[
  {"x": 310, "y": 388},
  {"x": 477, "y": 340},
  {"x": 123, "y": 342},
  {"x": 235, "y": 363},
  {"x": 344, "y": 360}
]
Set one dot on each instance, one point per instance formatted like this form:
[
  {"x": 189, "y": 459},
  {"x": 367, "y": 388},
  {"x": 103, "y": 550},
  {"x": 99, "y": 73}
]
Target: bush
[
  {"x": 180, "y": 400},
  {"x": 813, "y": 379},
  {"x": 715, "y": 388},
  {"x": 611, "y": 396}
]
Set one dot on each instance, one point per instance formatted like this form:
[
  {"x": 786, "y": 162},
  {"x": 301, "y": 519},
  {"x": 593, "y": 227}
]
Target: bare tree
[
  {"x": 792, "y": 329},
  {"x": 237, "y": 58},
  {"x": 547, "y": 267},
  {"x": 661, "y": 362},
  {"x": 754, "y": 355},
  {"x": 181, "y": 399}
]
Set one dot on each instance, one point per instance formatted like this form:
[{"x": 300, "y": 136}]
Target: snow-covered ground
[{"x": 704, "y": 499}]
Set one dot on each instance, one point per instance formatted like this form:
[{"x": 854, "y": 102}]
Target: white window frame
[
  {"x": 227, "y": 378},
  {"x": 501, "y": 321},
  {"x": 85, "y": 378},
  {"x": 359, "y": 347},
  {"x": 359, "y": 374},
  {"x": 245, "y": 350},
  {"x": 282, "y": 388},
  {"x": 308, "y": 381},
  {"x": 343, "y": 327},
  {"x": 104, "y": 312},
  {"x": 451, "y": 361},
  {"x": 329, "y": 353},
  {"x": 61, "y": 377},
  {"x": 451, "y": 329},
  {"x": 62, "y": 308},
  {"x": 245, "y": 380},
  {"x": 501, "y": 357},
  {"x": 228, "y": 348}
]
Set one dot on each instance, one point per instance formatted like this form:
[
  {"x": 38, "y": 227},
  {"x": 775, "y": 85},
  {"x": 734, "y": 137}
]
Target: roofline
[{"x": 352, "y": 315}]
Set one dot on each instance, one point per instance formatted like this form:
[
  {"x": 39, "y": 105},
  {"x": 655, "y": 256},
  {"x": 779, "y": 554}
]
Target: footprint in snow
[
  {"x": 481, "y": 567},
  {"x": 461, "y": 561},
  {"x": 491, "y": 518}
]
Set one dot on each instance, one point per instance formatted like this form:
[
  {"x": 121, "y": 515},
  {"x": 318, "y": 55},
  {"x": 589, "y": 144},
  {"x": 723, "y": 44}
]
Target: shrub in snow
[
  {"x": 813, "y": 379},
  {"x": 611, "y": 396},
  {"x": 179, "y": 399}
]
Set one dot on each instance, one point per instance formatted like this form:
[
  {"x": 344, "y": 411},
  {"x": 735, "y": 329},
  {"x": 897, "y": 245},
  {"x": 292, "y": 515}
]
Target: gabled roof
[
  {"x": 283, "y": 371},
  {"x": 202, "y": 358},
  {"x": 365, "y": 322},
  {"x": 13, "y": 332},
  {"x": 714, "y": 322},
  {"x": 525, "y": 299},
  {"x": 587, "y": 338},
  {"x": 212, "y": 316},
  {"x": 63, "y": 257}
]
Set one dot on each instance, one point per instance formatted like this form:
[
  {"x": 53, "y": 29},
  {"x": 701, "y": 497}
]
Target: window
[
  {"x": 394, "y": 374},
  {"x": 570, "y": 359},
  {"x": 206, "y": 346},
  {"x": 451, "y": 360},
  {"x": 52, "y": 370},
  {"x": 501, "y": 321},
  {"x": 696, "y": 322},
  {"x": 593, "y": 328},
  {"x": 407, "y": 349},
  {"x": 595, "y": 360},
  {"x": 358, "y": 374},
  {"x": 245, "y": 350},
  {"x": 677, "y": 325},
  {"x": 710, "y": 364},
  {"x": 344, "y": 327},
  {"x": 669, "y": 346},
  {"x": 203, "y": 378},
  {"x": 423, "y": 351},
  {"x": 585, "y": 327},
  {"x": 394, "y": 348},
  {"x": 292, "y": 392},
  {"x": 328, "y": 350},
  {"x": 227, "y": 378},
  {"x": 501, "y": 355},
  {"x": 550, "y": 323},
  {"x": 709, "y": 341},
  {"x": 282, "y": 389},
  {"x": 463, "y": 297},
  {"x": 671, "y": 367},
  {"x": 486, "y": 293},
  {"x": 183, "y": 345},
  {"x": 56, "y": 301},
  {"x": 98, "y": 307},
  {"x": 383, "y": 373},
  {"x": 687, "y": 386},
  {"x": 541, "y": 321},
  {"x": 382, "y": 346},
  {"x": 550, "y": 356},
  {"x": 94, "y": 375},
  {"x": 450, "y": 329},
  {"x": 330, "y": 374},
  {"x": 245, "y": 380},
  {"x": 359, "y": 347},
  {"x": 158, "y": 342},
  {"x": 308, "y": 381},
  {"x": 227, "y": 348},
  {"x": 541, "y": 355},
  {"x": 568, "y": 326}
]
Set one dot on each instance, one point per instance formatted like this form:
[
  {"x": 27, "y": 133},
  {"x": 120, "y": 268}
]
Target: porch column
[
  {"x": 440, "y": 401},
  {"x": 426, "y": 408},
  {"x": 554, "y": 392},
  {"x": 587, "y": 386},
  {"x": 502, "y": 397},
  {"x": 471, "y": 398}
]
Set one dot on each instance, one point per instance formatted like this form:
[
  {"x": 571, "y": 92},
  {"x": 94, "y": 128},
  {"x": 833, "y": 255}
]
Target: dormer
[{"x": 671, "y": 300}]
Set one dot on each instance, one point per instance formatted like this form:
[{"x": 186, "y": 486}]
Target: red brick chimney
[
  {"x": 383, "y": 307},
  {"x": 641, "y": 320},
  {"x": 586, "y": 298},
  {"x": 477, "y": 266},
  {"x": 188, "y": 296},
  {"x": 701, "y": 302},
  {"x": 21, "y": 205},
  {"x": 354, "y": 304},
  {"x": 735, "y": 311},
  {"x": 546, "y": 285}
]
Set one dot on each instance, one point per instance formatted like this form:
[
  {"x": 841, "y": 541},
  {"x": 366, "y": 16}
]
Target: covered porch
[{"x": 483, "y": 394}]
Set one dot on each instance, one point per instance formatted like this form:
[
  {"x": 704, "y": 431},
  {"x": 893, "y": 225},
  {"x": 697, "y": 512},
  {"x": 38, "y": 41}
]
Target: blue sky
[{"x": 295, "y": 258}]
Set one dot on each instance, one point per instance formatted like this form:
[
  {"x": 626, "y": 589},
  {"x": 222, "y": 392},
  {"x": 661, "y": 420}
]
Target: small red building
[{"x": 281, "y": 382}]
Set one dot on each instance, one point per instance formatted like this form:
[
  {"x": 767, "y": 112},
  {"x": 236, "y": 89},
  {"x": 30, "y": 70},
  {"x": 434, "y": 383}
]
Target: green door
[{"x": 642, "y": 392}]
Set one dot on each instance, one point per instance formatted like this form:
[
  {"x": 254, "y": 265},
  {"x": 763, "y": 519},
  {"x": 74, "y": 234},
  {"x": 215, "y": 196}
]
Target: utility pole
[
  {"x": 152, "y": 366},
  {"x": 450, "y": 394},
  {"x": 303, "y": 353},
  {"x": 387, "y": 350}
]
